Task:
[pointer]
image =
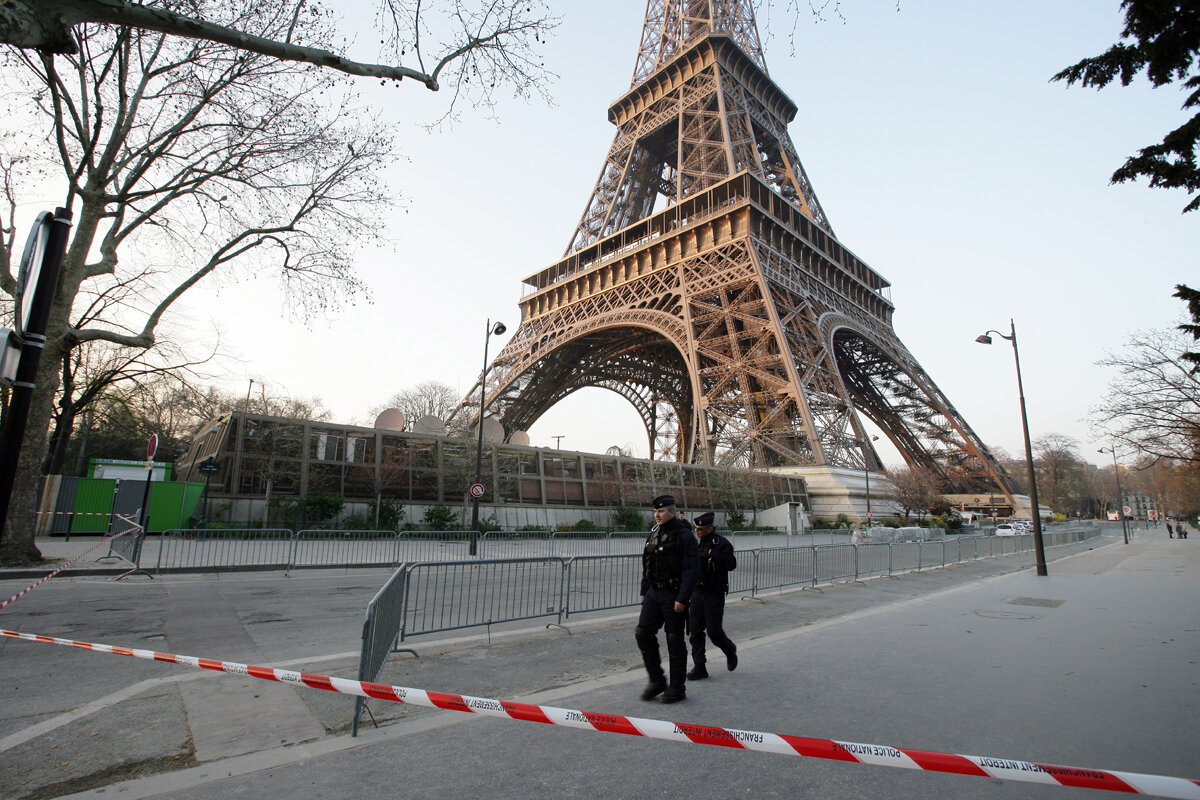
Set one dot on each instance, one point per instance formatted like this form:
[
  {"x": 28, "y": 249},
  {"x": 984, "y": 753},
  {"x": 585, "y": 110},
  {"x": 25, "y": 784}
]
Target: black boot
[
  {"x": 673, "y": 694},
  {"x": 648, "y": 644},
  {"x": 731, "y": 660},
  {"x": 698, "y": 673},
  {"x": 677, "y": 656}
]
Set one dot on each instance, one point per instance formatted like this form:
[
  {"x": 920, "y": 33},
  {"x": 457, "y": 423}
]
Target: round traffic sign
[
  {"x": 151, "y": 446},
  {"x": 477, "y": 490},
  {"x": 1127, "y": 509},
  {"x": 30, "y": 269}
]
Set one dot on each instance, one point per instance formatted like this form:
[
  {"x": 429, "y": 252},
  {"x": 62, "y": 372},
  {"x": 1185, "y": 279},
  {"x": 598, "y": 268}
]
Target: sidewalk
[{"x": 1093, "y": 666}]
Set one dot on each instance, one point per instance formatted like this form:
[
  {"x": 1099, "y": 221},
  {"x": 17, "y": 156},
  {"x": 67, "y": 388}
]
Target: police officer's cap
[
  {"x": 662, "y": 501},
  {"x": 705, "y": 519}
]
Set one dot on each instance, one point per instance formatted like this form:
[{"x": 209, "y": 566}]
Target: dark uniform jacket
[
  {"x": 669, "y": 561},
  {"x": 716, "y": 562}
]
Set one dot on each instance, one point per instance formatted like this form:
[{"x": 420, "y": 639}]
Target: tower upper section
[{"x": 672, "y": 26}]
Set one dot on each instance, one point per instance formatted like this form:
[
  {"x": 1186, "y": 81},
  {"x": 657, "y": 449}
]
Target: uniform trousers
[
  {"x": 706, "y": 614},
  {"x": 658, "y": 611}
]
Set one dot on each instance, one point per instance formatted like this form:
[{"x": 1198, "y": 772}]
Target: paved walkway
[{"x": 1093, "y": 666}]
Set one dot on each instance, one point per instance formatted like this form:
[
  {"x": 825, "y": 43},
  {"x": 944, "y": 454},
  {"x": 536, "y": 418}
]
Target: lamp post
[
  {"x": 1039, "y": 548},
  {"x": 1120, "y": 497},
  {"x": 867, "y": 475},
  {"x": 496, "y": 329}
]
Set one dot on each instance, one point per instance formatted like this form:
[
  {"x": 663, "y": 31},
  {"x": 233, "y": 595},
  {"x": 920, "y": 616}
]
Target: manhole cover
[{"x": 1036, "y": 601}]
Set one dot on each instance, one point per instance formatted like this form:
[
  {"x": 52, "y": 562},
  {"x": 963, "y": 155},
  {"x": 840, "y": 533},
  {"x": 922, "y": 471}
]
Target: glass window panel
[
  {"x": 424, "y": 485},
  {"x": 325, "y": 478},
  {"x": 531, "y": 491}
]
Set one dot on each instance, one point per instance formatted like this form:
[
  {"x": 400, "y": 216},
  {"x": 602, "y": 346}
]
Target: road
[{"x": 1093, "y": 666}]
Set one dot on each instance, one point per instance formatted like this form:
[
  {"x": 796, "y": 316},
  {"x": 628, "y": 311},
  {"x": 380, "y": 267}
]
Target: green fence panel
[
  {"x": 173, "y": 504},
  {"x": 93, "y": 503}
]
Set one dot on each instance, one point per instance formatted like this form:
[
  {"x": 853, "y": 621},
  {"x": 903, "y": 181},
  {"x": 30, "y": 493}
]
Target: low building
[{"x": 264, "y": 459}]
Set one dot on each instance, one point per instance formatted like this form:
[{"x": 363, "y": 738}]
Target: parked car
[{"x": 1006, "y": 529}]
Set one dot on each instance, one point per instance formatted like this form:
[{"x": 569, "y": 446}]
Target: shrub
[
  {"x": 489, "y": 523},
  {"x": 441, "y": 518},
  {"x": 736, "y": 519},
  {"x": 628, "y": 518},
  {"x": 356, "y": 522},
  {"x": 390, "y": 512},
  {"x": 322, "y": 506},
  {"x": 283, "y": 512}
]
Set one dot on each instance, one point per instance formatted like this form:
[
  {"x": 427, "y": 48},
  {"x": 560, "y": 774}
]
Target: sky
[{"x": 939, "y": 149}]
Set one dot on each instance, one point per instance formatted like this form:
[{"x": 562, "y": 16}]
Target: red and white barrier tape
[
  {"x": 687, "y": 733},
  {"x": 36, "y": 584}
]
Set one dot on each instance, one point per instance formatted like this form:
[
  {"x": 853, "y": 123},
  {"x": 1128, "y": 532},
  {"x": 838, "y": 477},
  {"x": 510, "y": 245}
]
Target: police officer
[
  {"x": 708, "y": 603},
  {"x": 670, "y": 568}
]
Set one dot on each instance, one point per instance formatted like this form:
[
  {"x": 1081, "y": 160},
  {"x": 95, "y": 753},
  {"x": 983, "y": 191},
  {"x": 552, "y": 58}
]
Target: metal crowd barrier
[
  {"x": 214, "y": 548},
  {"x": 433, "y": 597},
  {"x": 385, "y": 616},
  {"x": 449, "y": 595},
  {"x": 127, "y": 545}
]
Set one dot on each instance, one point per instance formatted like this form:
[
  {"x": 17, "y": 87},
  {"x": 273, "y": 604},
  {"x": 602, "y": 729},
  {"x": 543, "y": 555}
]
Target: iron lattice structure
[{"x": 705, "y": 285}]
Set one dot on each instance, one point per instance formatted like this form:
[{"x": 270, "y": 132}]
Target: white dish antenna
[
  {"x": 493, "y": 431},
  {"x": 520, "y": 438},
  {"x": 430, "y": 425},
  {"x": 391, "y": 419}
]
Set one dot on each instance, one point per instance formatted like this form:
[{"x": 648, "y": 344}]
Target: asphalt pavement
[{"x": 1094, "y": 666}]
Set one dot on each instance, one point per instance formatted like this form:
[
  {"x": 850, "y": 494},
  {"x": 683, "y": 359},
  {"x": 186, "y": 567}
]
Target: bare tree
[
  {"x": 426, "y": 398},
  {"x": 914, "y": 489},
  {"x": 473, "y": 46},
  {"x": 1153, "y": 405},
  {"x": 182, "y": 158},
  {"x": 1058, "y": 467}
]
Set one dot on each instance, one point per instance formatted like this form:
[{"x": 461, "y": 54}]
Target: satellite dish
[
  {"x": 430, "y": 425},
  {"x": 391, "y": 419},
  {"x": 493, "y": 431},
  {"x": 519, "y": 438}
]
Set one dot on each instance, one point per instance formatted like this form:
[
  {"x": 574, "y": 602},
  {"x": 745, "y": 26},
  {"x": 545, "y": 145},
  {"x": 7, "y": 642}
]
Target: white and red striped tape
[
  {"x": 687, "y": 733},
  {"x": 38, "y": 583}
]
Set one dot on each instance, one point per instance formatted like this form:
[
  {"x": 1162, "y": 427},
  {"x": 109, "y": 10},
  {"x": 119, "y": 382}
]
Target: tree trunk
[
  {"x": 60, "y": 440},
  {"x": 17, "y": 544}
]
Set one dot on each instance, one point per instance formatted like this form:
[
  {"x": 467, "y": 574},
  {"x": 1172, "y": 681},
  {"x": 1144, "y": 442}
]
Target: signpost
[
  {"x": 37, "y": 280},
  {"x": 208, "y": 467},
  {"x": 151, "y": 448}
]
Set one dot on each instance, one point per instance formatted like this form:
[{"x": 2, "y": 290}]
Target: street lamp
[
  {"x": 1039, "y": 548},
  {"x": 496, "y": 329},
  {"x": 867, "y": 475},
  {"x": 1120, "y": 497}
]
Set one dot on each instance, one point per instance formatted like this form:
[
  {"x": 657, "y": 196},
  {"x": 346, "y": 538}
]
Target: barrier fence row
[
  {"x": 437, "y": 596},
  {"x": 285, "y": 549}
]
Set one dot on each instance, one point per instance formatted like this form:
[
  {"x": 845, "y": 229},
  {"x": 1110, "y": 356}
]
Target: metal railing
[
  {"x": 381, "y": 629},
  {"x": 217, "y": 548},
  {"x": 126, "y": 545},
  {"x": 434, "y": 597},
  {"x": 450, "y": 595}
]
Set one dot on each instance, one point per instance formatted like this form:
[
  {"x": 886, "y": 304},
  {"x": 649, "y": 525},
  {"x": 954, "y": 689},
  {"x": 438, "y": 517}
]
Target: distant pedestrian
[
  {"x": 1182, "y": 530},
  {"x": 707, "y": 611},
  {"x": 1170, "y": 531},
  {"x": 670, "y": 569}
]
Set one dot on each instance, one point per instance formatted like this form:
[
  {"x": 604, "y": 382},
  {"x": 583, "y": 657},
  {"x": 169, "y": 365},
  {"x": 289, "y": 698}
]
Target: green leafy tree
[
  {"x": 1192, "y": 298},
  {"x": 1161, "y": 39}
]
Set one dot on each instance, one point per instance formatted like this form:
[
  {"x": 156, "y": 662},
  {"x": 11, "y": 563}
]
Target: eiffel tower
[{"x": 705, "y": 285}]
